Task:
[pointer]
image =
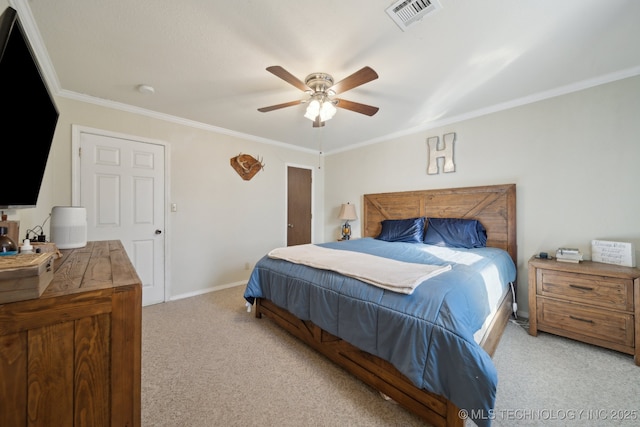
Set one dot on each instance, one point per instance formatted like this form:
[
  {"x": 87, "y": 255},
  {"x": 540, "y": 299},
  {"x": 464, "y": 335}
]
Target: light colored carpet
[
  {"x": 556, "y": 381},
  {"x": 207, "y": 362}
]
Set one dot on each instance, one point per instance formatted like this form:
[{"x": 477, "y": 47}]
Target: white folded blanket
[{"x": 397, "y": 276}]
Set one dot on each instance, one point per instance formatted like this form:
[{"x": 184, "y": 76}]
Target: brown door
[{"x": 298, "y": 206}]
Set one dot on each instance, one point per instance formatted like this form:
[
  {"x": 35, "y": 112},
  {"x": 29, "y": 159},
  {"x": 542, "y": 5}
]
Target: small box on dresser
[
  {"x": 592, "y": 302},
  {"x": 24, "y": 276}
]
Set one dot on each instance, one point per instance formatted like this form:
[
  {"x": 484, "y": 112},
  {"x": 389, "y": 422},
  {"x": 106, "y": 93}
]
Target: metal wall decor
[
  {"x": 445, "y": 151},
  {"x": 246, "y": 165}
]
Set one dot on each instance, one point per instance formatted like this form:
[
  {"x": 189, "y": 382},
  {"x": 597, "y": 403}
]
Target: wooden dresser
[
  {"x": 72, "y": 356},
  {"x": 588, "y": 301}
]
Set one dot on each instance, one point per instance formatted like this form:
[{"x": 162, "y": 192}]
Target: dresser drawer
[
  {"x": 607, "y": 292},
  {"x": 602, "y": 325}
]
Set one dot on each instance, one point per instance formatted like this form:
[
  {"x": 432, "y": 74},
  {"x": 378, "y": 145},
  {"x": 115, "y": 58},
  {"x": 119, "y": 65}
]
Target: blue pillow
[
  {"x": 455, "y": 233},
  {"x": 409, "y": 230}
]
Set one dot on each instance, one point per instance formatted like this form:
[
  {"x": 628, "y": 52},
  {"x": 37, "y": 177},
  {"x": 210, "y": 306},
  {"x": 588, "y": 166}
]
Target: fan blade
[
  {"x": 278, "y": 71},
  {"x": 357, "y": 107},
  {"x": 360, "y": 77},
  {"x": 277, "y": 107}
]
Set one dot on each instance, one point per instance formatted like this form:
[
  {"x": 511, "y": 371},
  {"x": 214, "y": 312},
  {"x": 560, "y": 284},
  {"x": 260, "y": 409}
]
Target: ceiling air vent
[{"x": 407, "y": 12}]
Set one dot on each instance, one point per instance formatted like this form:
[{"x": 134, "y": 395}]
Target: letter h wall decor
[{"x": 437, "y": 151}]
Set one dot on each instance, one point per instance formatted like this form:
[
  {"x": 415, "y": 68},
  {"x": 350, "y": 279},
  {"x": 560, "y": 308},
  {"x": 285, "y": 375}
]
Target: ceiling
[{"x": 206, "y": 59}]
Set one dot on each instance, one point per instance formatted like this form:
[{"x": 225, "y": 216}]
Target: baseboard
[{"x": 206, "y": 290}]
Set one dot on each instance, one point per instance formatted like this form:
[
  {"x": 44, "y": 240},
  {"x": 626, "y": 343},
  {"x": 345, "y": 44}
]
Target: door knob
[
  {"x": 158, "y": 231},
  {"x": 290, "y": 225}
]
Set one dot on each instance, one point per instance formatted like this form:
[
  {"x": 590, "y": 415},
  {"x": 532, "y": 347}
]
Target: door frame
[
  {"x": 286, "y": 199},
  {"x": 76, "y": 130}
]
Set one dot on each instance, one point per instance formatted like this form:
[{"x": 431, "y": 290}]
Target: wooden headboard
[{"x": 494, "y": 206}]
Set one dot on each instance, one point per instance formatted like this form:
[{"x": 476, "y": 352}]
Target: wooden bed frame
[{"x": 495, "y": 207}]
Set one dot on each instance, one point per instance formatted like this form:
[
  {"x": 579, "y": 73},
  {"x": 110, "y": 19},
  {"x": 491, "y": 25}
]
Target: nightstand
[{"x": 588, "y": 301}]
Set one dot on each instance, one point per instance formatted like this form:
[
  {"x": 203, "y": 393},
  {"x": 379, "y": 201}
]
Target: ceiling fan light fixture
[{"x": 323, "y": 107}]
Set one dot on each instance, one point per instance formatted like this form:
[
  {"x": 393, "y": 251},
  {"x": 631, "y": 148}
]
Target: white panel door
[{"x": 122, "y": 188}]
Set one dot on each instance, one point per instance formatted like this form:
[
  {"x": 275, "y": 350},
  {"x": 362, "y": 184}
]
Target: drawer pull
[
  {"x": 581, "y": 319},
  {"x": 584, "y": 288}
]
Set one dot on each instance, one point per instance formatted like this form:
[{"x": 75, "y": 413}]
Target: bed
[{"x": 427, "y": 348}]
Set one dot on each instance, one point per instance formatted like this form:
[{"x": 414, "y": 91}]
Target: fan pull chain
[{"x": 320, "y": 149}]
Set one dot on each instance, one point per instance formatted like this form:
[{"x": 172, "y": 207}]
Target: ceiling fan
[{"x": 321, "y": 89}]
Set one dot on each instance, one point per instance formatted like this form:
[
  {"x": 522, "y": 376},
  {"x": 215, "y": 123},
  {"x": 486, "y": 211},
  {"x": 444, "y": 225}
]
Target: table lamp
[{"x": 347, "y": 213}]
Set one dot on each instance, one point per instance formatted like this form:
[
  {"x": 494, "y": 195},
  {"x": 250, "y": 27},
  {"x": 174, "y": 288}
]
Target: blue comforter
[{"x": 428, "y": 335}]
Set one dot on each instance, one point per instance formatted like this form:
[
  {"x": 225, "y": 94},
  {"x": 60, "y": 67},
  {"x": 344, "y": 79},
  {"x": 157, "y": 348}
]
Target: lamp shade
[
  {"x": 327, "y": 111},
  {"x": 348, "y": 212},
  {"x": 313, "y": 109}
]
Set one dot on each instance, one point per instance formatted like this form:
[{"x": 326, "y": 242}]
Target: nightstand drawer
[
  {"x": 607, "y": 292},
  {"x": 601, "y": 325}
]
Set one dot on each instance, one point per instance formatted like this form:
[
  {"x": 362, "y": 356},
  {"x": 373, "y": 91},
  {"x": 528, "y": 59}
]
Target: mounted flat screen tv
[{"x": 28, "y": 117}]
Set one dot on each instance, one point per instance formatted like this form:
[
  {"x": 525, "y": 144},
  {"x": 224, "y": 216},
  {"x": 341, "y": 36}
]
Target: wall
[
  {"x": 573, "y": 158},
  {"x": 222, "y": 222}
]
